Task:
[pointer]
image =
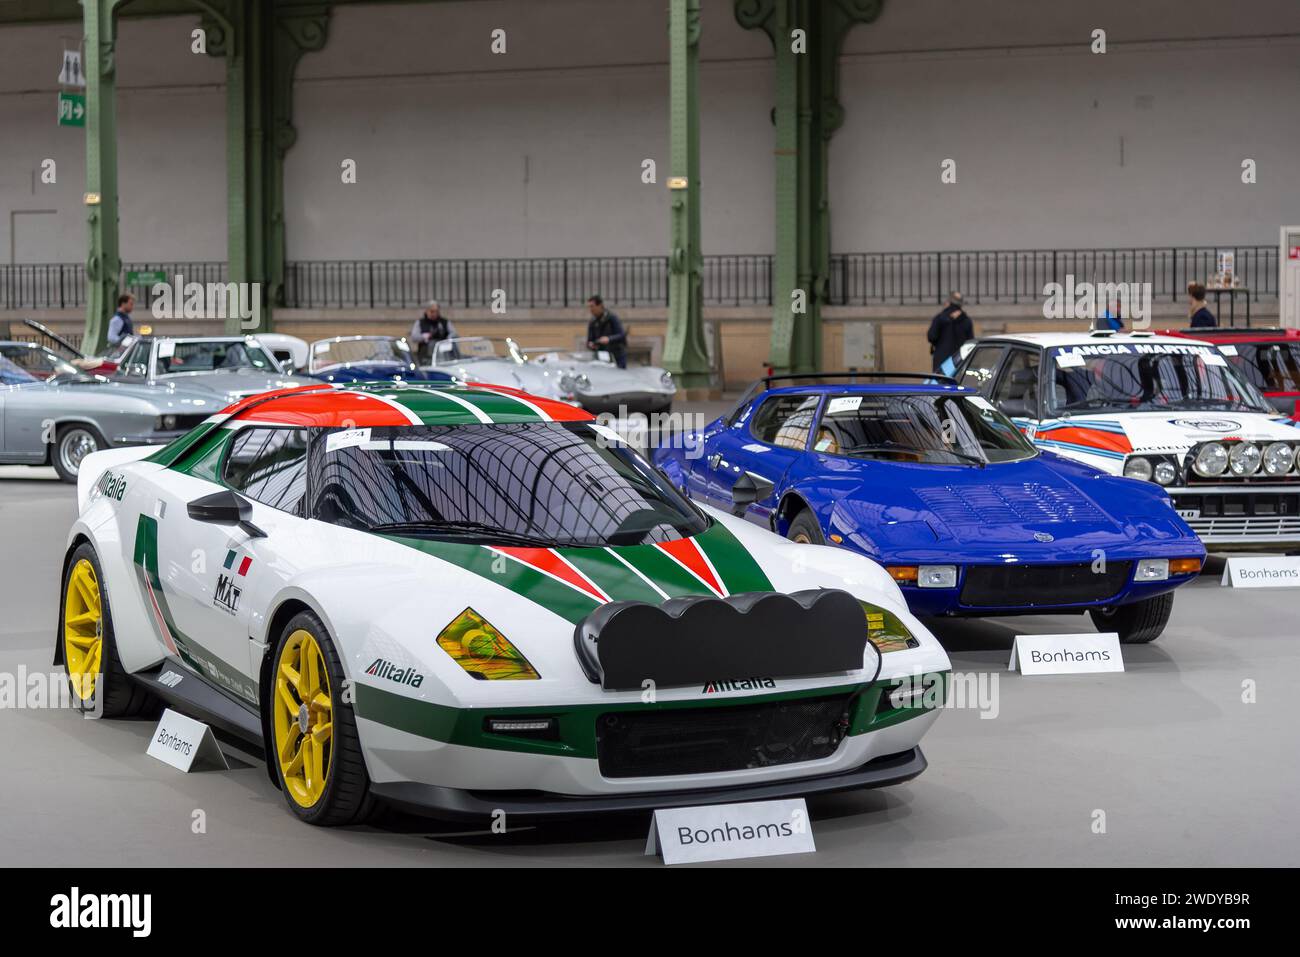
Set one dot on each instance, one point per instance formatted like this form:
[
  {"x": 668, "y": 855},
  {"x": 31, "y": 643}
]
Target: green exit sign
[
  {"x": 72, "y": 109},
  {"x": 145, "y": 277}
]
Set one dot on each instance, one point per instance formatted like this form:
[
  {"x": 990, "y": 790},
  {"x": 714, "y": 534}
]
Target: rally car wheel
[
  {"x": 316, "y": 750},
  {"x": 804, "y": 529},
  {"x": 1138, "y": 623},
  {"x": 95, "y": 673},
  {"x": 72, "y": 443}
]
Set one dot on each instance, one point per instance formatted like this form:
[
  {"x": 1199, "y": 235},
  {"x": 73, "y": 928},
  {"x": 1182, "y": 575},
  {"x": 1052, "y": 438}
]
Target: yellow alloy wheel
[
  {"x": 83, "y": 629},
  {"x": 303, "y": 718}
]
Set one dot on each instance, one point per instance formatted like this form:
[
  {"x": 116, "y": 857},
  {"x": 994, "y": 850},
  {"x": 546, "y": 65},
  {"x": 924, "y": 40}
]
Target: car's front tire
[
  {"x": 72, "y": 443},
  {"x": 1138, "y": 623},
  {"x": 805, "y": 529},
  {"x": 96, "y": 677},
  {"x": 314, "y": 747}
]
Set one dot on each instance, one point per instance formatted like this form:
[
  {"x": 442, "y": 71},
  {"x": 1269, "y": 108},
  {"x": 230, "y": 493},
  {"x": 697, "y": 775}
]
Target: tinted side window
[
  {"x": 785, "y": 420},
  {"x": 270, "y": 466},
  {"x": 1018, "y": 386},
  {"x": 136, "y": 363},
  {"x": 980, "y": 367}
]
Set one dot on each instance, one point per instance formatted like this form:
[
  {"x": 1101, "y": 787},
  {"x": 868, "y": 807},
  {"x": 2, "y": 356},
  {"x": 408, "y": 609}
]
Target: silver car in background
[
  {"x": 229, "y": 367},
  {"x": 61, "y": 416},
  {"x": 579, "y": 379}
]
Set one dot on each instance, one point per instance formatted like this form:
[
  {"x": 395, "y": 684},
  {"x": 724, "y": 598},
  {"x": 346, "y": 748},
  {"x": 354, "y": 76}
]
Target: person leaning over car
[
  {"x": 948, "y": 330},
  {"x": 431, "y": 327},
  {"x": 119, "y": 327},
  {"x": 1199, "y": 311},
  {"x": 604, "y": 331}
]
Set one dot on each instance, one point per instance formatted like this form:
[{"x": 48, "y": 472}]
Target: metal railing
[{"x": 856, "y": 279}]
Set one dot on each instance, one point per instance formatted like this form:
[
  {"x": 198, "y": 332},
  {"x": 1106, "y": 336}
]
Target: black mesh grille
[
  {"x": 707, "y": 740},
  {"x": 1001, "y": 586}
]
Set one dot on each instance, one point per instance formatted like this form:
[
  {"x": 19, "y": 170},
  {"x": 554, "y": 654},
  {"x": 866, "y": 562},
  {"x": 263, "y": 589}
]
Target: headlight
[
  {"x": 1138, "y": 468},
  {"x": 166, "y": 423},
  {"x": 1278, "y": 458},
  {"x": 1166, "y": 473},
  {"x": 666, "y": 380},
  {"x": 483, "y": 651},
  {"x": 886, "y": 631},
  {"x": 936, "y": 576},
  {"x": 1244, "y": 458},
  {"x": 1152, "y": 570},
  {"x": 1212, "y": 460}
]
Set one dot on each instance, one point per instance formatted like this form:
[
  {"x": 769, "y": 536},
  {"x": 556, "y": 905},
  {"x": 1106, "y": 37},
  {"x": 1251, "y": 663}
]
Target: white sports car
[
  {"x": 470, "y": 600},
  {"x": 1164, "y": 409}
]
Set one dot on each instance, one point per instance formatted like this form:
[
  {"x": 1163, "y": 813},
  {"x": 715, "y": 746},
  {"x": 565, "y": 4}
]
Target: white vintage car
[
  {"x": 588, "y": 380},
  {"x": 468, "y": 601},
  {"x": 1164, "y": 409}
]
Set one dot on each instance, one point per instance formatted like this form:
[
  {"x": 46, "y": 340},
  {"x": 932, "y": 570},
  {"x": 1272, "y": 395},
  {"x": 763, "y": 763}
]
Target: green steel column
[
  {"x": 685, "y": 353},
  {"x": 807, "y": 113},
  {"x": 103, "y": 261}
]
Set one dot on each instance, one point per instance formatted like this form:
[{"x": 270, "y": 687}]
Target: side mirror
[
  {"x": 1014, "y": 407},
  {"x": 746, "y": 492},
  {"x": 225, "y": 508}
]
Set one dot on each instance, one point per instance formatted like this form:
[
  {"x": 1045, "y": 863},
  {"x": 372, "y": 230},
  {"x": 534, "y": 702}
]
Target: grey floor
[{"x": 1184, "y": 771}]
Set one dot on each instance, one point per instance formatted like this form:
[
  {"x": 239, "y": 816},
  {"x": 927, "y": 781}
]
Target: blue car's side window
[{"x": 785, "y": 421}]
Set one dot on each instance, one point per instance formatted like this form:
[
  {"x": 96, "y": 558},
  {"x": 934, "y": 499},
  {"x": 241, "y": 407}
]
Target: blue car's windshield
[{"x": 929, "y": 428}]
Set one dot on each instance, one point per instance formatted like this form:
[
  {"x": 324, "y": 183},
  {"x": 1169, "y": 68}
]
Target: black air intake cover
[{"x": 694, "y": 640}]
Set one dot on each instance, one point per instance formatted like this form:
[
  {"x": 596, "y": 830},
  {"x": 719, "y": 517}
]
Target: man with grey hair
[{"x": 431, "y": 327}]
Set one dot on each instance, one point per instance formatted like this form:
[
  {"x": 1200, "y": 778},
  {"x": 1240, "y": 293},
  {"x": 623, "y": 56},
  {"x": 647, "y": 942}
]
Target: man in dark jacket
[
  {"x": 605, "y": 333},
  {"x": 120, "y": 326},
  {"x": 948, "y": 330},
  {"x": 431, "y": 327},
  {"x": 1199, "y": 310}
]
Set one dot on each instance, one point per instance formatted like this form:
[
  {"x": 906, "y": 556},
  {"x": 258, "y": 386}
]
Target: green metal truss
[
  {"x": 685, "y": 354},
  {"x": 807, "y": 114}
]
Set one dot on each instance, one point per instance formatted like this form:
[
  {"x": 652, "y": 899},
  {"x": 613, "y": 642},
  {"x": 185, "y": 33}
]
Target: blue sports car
[
  {"x": 345, "y": 359},
  {"x": 927, "y": 478}
]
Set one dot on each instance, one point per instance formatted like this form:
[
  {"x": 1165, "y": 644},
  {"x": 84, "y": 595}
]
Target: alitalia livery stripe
[
  {"x": 411, "y": 417},
  {"x": 521, "y": 399},
  {"x": 685, "y": 552},
  {"x": 638, "y": 573},
  {"x": 551, "y": 563},
  {"x": 474, "y": 410},
  {"x": 549, "y": 408}
]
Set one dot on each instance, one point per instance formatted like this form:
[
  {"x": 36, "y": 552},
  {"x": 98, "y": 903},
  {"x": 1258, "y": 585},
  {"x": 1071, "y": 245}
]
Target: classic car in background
[
  {"x": 1269, "y": 359},
  {"x": 1168, "y": 410},
  {"x": 231, "y": 367},
  {"x": 931, "y": 481},
  {"x": 99, "y": 365},
  {"x": 60, "y": 419},
  {"x": 366, "y": 359},
  {"x": 583, "y": 380}
]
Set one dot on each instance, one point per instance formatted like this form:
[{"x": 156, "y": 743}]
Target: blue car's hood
[
  {"x": 380, "y": 372},
  {"x": 1047, "y": 504}
]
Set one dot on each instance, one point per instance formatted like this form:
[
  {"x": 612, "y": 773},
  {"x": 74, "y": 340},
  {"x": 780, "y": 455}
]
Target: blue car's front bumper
[{"x": 1030, "y": 601}]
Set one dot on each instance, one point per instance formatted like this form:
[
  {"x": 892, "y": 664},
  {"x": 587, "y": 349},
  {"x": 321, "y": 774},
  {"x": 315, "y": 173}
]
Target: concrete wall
[{"x": 538, "y": 152}]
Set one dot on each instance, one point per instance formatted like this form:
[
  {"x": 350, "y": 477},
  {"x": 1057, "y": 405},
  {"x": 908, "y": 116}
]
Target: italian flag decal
[{"x": 244, "y": 563}]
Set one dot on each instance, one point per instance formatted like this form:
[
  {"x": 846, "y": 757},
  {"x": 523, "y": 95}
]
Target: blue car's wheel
[
  {"x": 805, "y": 529},
  {"x": 1138, "y": 623}
]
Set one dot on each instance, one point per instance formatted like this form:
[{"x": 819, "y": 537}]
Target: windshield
[
  {"x": 473, "y": 348},
  {"x": 943, "y": 429},
  {"x": 38, "y": 362},
  {"x": 532, "y": 484},
  {"x": 1270, "y": 366},
  {"x": 351, "y": 352},
  {"x": 11, "y": 374},
  {"x": 207, "y": 355},
  {"x": 1147, "y": 377}
]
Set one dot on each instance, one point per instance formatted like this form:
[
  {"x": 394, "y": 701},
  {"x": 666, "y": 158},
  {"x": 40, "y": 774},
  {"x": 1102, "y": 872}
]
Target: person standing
[
  {"x": 119, "y": 327},
  {"x": 948, "y": 330},
  {"x": 605, "y": 332},
  {"x": 1197, "y": 308},
  {"x": 432, "y": 327}
]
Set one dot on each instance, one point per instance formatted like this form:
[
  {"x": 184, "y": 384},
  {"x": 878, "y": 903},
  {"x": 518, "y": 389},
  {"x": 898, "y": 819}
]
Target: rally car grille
[
  {"x": 632, "y": 744},
  {"x": 1005, "y": 586}
]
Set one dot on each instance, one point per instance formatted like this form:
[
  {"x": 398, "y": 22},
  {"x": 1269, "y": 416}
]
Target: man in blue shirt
[{"x": 119, "y": 327}]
